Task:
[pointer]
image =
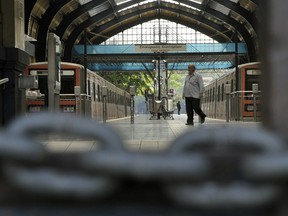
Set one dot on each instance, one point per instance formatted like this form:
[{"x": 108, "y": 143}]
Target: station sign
[{"x": 160, "y": 47}]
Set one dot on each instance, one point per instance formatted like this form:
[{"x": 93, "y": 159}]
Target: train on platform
[
  {"x": 240, "y": 96},
  {"x": 88, "y": 100}
]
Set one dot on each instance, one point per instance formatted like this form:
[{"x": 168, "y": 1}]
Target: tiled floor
[{"x": 143, "y": 135}]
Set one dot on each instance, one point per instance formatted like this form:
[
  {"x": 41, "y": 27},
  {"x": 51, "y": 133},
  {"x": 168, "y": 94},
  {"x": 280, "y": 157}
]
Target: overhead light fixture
[
  {"x": 235, "y": 1},
  {"x": 82, "y": 2}
]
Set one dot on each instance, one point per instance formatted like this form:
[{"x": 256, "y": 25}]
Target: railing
[
  {"x": 80, "y": 104},
  {"x": 236, "y": 109}
]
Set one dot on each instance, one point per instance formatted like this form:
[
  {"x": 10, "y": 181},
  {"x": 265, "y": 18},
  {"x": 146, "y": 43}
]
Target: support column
[
  {"x": 274, "y": 66},
  {"x": 13, "y": 58}
]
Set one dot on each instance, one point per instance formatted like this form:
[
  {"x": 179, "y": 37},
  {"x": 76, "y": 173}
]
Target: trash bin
[
  {"x": 158, "y": 104},
  {"x": 170, "y": 105}
]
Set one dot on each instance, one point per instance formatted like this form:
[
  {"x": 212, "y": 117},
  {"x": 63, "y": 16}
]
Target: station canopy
[{"x": 78, "y": 22}]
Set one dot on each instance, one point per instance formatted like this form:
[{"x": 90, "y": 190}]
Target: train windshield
[{"x": 67, "y": 81}]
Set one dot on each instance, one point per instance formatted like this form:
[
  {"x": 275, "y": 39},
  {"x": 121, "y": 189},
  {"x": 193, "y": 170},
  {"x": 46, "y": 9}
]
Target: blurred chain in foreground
[{"x": 208, "y": 171}]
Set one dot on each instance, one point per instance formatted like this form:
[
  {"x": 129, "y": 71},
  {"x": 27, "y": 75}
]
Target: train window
[
  {"x": 67, "y": 85},
  {"x": 38, "y": 72},
  {"x": 210, "y": 95},
  {"x": 222, "y": 95},
  {"x": 98, "y": 92},
  {"x": 94, "y": 92},
  {"x": 91, "y": 90},
  {"x": 232, "y": 85},
  {"x": 45, "y": 72},
  {"x": 218, "y": 93},
  {"x": 88, "y": 87},
  {"x": 253, "y": 72},
  {"x": 110, "y": 96},
  {"x": 42, "y": 84}
]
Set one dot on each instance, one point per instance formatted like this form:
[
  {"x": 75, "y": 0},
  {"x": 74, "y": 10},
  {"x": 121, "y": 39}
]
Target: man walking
[{"x": 192, "y": 92}]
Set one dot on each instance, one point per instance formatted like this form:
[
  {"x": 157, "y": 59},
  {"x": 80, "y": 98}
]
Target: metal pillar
[
  {"x": 255, "y": 93},
  {"x": 13, "y": 59},
  {"x": 159, "y": 83},
  {"x": 85, "y": 60},
  {"x": 132, "y": 102},
  {"x": 159, "y": 78},
  {"x": 274, "y": 66},
  {"x": 54, "y": 72},
  {"x": 104, "y": 101},
  {"x": 227, "y": 92},
  {"x": 236, "y": 72}
]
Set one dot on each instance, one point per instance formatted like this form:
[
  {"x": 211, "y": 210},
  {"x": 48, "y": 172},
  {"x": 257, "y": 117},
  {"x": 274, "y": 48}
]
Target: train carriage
[
  {"x": 88, "y": 103},
  {"x": 241, "y": 104}
]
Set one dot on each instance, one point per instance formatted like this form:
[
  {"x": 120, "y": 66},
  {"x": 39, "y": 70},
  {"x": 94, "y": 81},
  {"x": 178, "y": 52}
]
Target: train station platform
[{"x": 144, "y": 134}]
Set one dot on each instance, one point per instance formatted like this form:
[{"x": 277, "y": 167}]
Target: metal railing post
[
  {"x": 77, "y": 98},
  {"x": 132, "y": 103},
  {"x": 255, "y": 93},
  {"x": 227, "y": 92},
  {"x": 104, "y": 101}
]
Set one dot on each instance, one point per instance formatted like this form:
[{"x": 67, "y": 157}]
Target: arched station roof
[{"x": 219, "y": 19}]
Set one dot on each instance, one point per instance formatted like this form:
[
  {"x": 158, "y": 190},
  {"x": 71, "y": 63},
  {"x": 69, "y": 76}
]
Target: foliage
[
  {"x": 143, "y": 81},
  {"x": 176, "y": 82},
  {"x": 124, "y": 80}
]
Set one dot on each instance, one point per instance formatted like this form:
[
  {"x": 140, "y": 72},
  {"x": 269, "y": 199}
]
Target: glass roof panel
[{"x": 159, "y": 31}]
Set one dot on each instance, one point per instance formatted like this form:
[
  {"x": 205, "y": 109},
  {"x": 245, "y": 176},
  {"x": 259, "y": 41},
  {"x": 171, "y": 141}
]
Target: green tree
[
  {"x": 176, "y": 82},
  {"x": 142, "y": 81},
  {"x": 124, "y": 80}
]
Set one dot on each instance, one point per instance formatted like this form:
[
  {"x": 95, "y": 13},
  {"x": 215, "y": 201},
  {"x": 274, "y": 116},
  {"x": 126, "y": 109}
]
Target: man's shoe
[
  {"x": 203, "y": 119},
  {"x": 189, "y": 124}
]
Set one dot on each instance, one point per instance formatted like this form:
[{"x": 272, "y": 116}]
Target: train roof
[
  {"x": 249, "y": 64},
  {"x": 62, "y": 63}
]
